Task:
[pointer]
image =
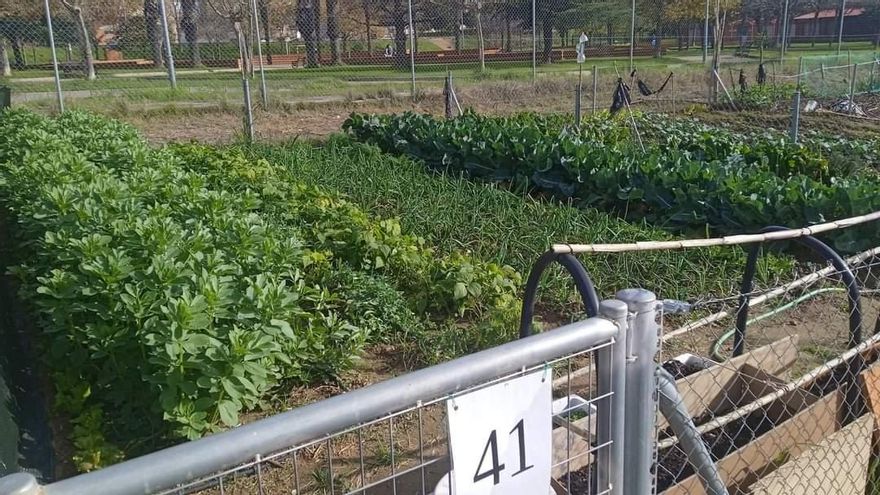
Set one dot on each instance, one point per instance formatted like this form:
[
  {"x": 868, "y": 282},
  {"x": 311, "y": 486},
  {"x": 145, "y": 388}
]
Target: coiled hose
[{"x": 715, "y": 349}]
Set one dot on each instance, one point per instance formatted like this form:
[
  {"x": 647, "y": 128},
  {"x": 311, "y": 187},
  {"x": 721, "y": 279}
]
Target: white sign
[{"x": 500, "y": 438}]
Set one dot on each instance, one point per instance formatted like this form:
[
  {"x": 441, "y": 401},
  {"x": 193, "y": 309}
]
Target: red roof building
[{"x": 822, "y": 25}]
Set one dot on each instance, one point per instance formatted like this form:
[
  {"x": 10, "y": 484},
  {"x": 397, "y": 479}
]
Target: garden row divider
[
  {"x": 744, "y": 465},
  {"x": 771, "y": 359}
]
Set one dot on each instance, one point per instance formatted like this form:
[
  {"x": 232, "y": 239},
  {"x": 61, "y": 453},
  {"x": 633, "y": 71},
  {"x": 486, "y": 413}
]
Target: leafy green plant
[
  {"x": 695, "y": 178},
  {"x": 177, "y": 288},
  {"x": 764, "y": 95}
]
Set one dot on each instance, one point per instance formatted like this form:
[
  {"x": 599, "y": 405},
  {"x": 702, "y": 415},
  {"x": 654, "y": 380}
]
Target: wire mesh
[
  {"x": 792, "y": 411},
  {"x": 739, "y": 61},
  {"x": 408, "y": 451}
]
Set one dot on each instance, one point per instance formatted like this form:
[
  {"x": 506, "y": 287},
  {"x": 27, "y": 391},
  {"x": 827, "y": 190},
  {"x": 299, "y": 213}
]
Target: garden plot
[{"x": 692, "y": 179}]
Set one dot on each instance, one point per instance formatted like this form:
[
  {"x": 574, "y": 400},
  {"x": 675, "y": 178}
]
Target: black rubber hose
[
  {"x": 820, "y": 248},
  {"x": 577, "y": 271}
]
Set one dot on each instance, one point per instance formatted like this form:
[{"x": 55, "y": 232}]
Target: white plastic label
[{"x": 500, "y": 438}]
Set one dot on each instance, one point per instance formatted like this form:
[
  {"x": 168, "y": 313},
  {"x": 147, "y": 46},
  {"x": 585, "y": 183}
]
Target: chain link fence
[
  {"x": 200, "y": 56},
  {"x": 781, "y": 383},
  {"x": 396, "y": 436}
]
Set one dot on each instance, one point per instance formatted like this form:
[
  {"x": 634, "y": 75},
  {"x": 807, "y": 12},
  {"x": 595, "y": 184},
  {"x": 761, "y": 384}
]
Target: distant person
[
  {"x": 655, "y": 45},
  {"x": 389, "y": 52}
]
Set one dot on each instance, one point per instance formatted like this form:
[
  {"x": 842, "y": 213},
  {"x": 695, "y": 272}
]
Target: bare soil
[
  {"x": 822, "y": 121},
  {"x": 223, "y": 124}
]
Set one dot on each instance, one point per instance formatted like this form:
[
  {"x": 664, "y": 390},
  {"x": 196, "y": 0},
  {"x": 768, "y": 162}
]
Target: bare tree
[
  {"x": 482, "y": 45},
  {"x": 368, "y": 18},
  {"x": 333, "y": 32},
  {"x": 263, "y": 7},
  {"x": 84, "y": 37},
  {"x": 190, "y": 10},
  {"x": 307, "y": 23},
  {"x": 237, "y": 13}
]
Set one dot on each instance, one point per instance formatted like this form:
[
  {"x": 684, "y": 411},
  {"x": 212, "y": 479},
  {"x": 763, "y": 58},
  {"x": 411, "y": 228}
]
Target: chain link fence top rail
[{"x": 788, "y": 413}]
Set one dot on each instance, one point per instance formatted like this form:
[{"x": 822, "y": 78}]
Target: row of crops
[
  {"x": 676, "y": 174},
  {"x": 176, "y": 288}
]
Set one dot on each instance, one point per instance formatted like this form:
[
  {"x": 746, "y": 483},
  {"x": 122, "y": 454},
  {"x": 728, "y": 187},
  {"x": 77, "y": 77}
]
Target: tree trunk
[
  {"x": 85, "y": 42},
  {"x": 4, "y": 59},
  {"x": 399, "y": 22},
  {"x": 368, "y": 18},
  {"x": 189, "y": 25},
  {"x": 547, "y": 28},
  {"x": 18, "y": 53},
  {"x": 507, "y": 42},
  {"x": 815, "y": 28},
  {"x": 481, "y": 48},
  {"x": 718, "y": 45},
  {"x": 307, "y": 23},
  {"x": 151, "y": 19},
  {"x": 263, "y": 7},
  {"x": 333, "y": 32},
  {"x": 415, "y": 33},
  {"x": 460, "y": 23}
]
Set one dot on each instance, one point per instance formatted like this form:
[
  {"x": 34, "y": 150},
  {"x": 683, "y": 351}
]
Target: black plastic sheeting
[{"x": 25, "y": 433}]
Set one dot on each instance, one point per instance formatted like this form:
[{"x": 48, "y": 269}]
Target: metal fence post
[
  {"x": 641, "y": 389},
  {"x": 54, "y": 57},
  {"x": 611, "y": 370},
  {"x": 577, "y": 106},
  {"x": 632, "y": 35},
  {"x": 447, "y": 95},
  {"x": 784, "y": 37},
  {"x": 706, "y": 34},
  {"x": 795, "y": 116},
  {"x": 20, "y": 484},
  {"x": 800, "y": 71},
  {"x": 169, "y": 57},
  {"x": 412, "y": 51},
  {"x": 264, "y": 93},
  {"x": 840, "y": 27},
  {"x": 595, "y": 88},
  {"x": 852, "y": 88},
  {"x": 534, "y": 41}
]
